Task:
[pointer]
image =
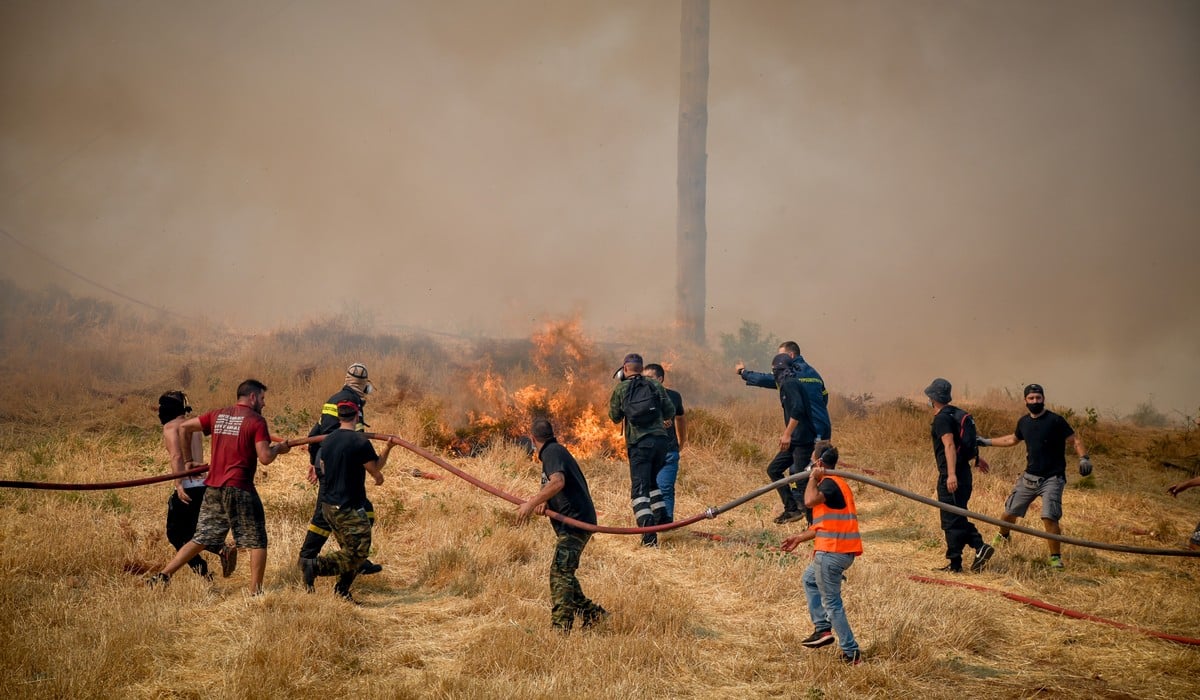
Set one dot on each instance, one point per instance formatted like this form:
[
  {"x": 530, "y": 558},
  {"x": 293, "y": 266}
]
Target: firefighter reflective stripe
[
  {"x": 641, "y": 507},
  {"x": 837, "y": 530},
  {"x": 330, "y": 409}
]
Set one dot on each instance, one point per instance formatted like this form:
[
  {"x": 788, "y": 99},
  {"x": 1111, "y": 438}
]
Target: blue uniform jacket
[{"x": 814, "y": 388}]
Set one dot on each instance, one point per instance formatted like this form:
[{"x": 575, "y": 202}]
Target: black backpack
[
  {"x": 640, "y": 404},
  {"x": 966, "y": 434}
]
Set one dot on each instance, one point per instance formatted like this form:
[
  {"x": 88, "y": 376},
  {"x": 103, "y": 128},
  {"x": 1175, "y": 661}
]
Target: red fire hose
[{"x": 1060, "y": 610}]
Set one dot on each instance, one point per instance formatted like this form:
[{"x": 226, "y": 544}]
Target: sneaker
[
  {"x": 228, "y": 557},
  {"x": 950, "y": 569},
  {"x": 369, "y": 567},
  {"x": 852, "y": 658},
  {"x": 159, "y": 580},
  {"x": 818, "y": 639},
  {"x": 1056, "y": 561},
  {"x": 593, "y": 617},
  {"x": 982, "y": 555},
  {"x": 1001, "y": 540},
  {"x": 308, "y": 569},
  {"x": 788, "y": 516}
]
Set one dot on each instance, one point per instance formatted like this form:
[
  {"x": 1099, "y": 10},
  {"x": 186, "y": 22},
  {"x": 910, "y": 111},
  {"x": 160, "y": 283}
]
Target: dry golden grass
[{"x": 462, "y": 607}]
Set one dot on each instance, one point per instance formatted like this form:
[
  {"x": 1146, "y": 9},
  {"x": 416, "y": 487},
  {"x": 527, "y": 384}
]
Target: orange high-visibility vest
[{"x": 837, "y": 529}]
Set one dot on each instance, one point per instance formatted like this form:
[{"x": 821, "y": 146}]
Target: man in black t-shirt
[
  {"x": 954, "y": 486},
  {"x": 355, "y": 389},
  {"x": 676, "y": 439},
  {"x": 1046, "y": 435},
  {"x": 564, "y": 491},
  {"x": 343, "y": 462}
]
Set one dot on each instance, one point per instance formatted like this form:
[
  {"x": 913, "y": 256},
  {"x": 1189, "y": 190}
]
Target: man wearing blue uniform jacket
[
  {"x": 810, "y": 380},
  {"x": 817, "y": 404}
]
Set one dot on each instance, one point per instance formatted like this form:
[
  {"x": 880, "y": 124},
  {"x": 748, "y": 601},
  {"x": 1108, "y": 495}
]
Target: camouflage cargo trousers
[
  {"x": 567, "y": 598},
  {"x": 352, "y": 528}
]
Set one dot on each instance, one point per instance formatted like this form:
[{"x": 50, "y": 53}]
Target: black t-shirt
[
  {"x": 340, "y": 462},
  {"x": 944, "y": 423},
  {"x": 574, "y": 501},
  {"x": 833, "y": 495},
  {"x": 1045, "y": 443},
  {"x": 672, "y": 436}
]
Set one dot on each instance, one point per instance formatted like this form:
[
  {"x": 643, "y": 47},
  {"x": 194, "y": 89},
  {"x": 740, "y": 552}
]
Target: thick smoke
[{"x": 994, "y": 192}]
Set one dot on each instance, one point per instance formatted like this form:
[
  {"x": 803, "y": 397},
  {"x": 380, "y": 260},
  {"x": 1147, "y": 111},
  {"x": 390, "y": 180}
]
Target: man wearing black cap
[
  {"x": 1046, "y": 435},
  {"x": 355, "y": 389},
  {"x": 344, "y": 460},
  {"x": 796, "y": 442},
  {"x": 183, "y": 507},
  {"x": 565, "y": 491},
  {"x": 645, "y": 407},
  {"x": 955, "y": 484}
]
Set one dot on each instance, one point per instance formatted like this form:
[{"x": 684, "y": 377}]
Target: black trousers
[
  {"x": 960, "y": 531},
  {"x": 646, "y": 459},
  {"x": 792, "y": 461},
  {"x": 181, "y": 523}
]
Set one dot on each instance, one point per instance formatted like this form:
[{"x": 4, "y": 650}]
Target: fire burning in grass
[{"x": 571, "y": 390}]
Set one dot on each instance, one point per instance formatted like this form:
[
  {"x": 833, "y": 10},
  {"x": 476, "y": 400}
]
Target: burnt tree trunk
[{"x": 690, "y": 232}]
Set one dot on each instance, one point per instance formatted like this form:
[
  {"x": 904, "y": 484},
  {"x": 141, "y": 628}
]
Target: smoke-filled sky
[{"x": 996, "y": 192}]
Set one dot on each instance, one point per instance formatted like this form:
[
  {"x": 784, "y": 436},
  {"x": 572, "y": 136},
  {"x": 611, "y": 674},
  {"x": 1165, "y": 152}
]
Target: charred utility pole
[{"x": 691, "y": 236}]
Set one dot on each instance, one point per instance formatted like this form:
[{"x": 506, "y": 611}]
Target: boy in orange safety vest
[{"x": 836, "y": 542}]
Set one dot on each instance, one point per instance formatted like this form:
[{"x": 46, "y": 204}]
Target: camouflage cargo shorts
[{"x": 228, "y": 508}]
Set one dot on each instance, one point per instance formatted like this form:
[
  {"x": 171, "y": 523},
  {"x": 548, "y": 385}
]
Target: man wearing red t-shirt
[{"x": 240, "y": 441}]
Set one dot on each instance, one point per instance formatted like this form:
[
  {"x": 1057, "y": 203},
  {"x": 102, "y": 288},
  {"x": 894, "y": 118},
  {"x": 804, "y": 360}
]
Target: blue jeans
[
  {"x": 666, "y": 483},
  {"x": 823, "y": 589}
]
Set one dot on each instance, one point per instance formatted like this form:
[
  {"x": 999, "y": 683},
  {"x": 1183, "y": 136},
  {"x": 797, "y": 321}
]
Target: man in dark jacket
[
  {"x": 565, "y": 491},
  {"x": 357, "y": 386},
  {"x": 814, "y": 390},
  {"x": 814, "y": 386},
  {"x": 644, "y": 406},
  {"x": 796, "y": 442}
]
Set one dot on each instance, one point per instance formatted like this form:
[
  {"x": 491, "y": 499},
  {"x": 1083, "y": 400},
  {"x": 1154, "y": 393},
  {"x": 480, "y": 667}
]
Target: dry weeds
[{"x": 462, "y": 607}]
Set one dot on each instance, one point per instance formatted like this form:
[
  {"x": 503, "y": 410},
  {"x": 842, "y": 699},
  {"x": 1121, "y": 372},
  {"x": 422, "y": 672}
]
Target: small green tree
[{"x": 748, "y": 344}]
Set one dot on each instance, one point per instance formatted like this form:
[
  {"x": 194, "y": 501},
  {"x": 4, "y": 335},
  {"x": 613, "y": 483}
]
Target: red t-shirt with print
[{"x": 234, "y": 431}]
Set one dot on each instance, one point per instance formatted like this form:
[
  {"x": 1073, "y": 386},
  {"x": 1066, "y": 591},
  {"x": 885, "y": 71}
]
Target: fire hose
[
  {"x": 1067, "y": 612},
  {"x": 708, "y": 514}
]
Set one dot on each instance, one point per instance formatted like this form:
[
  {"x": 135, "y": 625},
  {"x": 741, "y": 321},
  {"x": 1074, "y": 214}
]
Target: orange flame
[{"x": 577, "y": 403}]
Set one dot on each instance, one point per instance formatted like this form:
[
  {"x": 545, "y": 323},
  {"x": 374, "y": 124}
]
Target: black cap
[
  {"x": 782, "y": 361},
  {"x": 829, "y": 456},
  {"x": 1033, "y": 389}
]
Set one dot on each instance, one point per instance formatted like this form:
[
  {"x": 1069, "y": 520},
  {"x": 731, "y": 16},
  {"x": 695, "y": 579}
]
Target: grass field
[{"x": 462, "y": 607}]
